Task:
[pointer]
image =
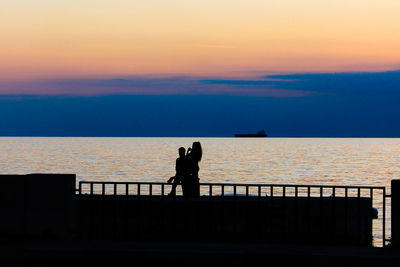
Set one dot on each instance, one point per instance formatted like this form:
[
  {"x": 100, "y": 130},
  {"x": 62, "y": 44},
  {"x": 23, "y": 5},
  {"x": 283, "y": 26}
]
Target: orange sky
[{"x": 47, "y": 38}]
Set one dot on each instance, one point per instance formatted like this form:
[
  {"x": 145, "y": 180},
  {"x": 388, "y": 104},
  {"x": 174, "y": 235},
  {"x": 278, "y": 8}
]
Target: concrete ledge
[
  {"x": 226, "y": 219},
  {"x": 40, "y": 205}
]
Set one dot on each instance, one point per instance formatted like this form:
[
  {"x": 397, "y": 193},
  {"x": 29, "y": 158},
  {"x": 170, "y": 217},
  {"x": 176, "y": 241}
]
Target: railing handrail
[
  {"x": 248, "y": 186},
  {"x": 242, "y": 184}
]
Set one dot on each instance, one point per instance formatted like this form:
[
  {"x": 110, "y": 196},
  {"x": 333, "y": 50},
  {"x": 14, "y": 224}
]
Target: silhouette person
[
  {"x": 191, "y": 181},
  {"x": 180, "y": 171}
]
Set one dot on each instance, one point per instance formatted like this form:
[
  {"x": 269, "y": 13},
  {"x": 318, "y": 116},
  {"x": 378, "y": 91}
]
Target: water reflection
[{"x": 269, "y": 160}]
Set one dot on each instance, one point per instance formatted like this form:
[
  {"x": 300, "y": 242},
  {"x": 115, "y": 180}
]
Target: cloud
[
  {"x": 279, "y": 86},
  {"x": 222, "y": 46},
  {"x": 342, "y": 83},
  {"x": 139, "y": 85}
]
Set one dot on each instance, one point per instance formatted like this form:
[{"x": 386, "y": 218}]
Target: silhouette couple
[{"x": 187, "y": 171}]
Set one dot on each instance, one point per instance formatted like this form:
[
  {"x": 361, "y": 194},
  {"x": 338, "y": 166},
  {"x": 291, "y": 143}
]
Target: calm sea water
[
  {"x": 322, "y": 161},
  {"x": 303, "y": 161}
]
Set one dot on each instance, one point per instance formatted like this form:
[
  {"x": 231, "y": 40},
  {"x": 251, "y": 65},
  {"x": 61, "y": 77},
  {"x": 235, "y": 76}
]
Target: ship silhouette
[{"x": 261, "y": 133}]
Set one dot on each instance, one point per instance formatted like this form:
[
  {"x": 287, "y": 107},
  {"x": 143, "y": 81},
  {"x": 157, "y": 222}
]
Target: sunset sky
[
  {"x": 47, "y": 38},
  {"x": 239, "y": 48}
]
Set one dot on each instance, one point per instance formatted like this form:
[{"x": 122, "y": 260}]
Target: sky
[{"x": 305, "y": 68}]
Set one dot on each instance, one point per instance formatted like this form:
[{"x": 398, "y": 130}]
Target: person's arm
[{"x": 171, "y": 179}]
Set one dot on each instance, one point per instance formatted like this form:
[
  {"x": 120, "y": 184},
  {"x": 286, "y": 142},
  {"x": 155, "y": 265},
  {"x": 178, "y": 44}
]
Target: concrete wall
[
  {"x": 37, "y": 205},
  {"x": 45, "y": 206},
  {"x": 228, "y": 219}
]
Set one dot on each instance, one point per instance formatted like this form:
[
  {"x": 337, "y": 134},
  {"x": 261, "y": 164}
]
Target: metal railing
[{"x": 378, "y": 196}]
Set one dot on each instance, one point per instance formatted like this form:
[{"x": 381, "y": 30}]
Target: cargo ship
[{"x": 261, "y": 133}]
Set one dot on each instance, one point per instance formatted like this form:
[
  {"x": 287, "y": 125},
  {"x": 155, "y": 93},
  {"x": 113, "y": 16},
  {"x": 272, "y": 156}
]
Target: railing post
[{"x": 395, "y": 192}]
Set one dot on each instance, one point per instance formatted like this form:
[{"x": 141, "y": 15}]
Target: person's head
[
  {"x": 197, "y": 152},
  {"x": 181, "y": 151}
]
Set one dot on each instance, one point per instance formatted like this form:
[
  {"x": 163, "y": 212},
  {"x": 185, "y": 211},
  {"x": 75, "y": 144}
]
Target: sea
[
  {"x": 298, "y": 161},
  {"x": 322, "y": 161}
]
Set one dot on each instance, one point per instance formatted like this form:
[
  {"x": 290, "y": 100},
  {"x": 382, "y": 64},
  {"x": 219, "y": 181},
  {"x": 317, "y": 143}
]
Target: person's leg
[
  {"x": 173, "y": 189},
  {"x": 184, "y": 189},
  {"x": 185, "y": 186},
  {"x": 192, "y": 188},
  {"x": 196, "y": 188}
]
